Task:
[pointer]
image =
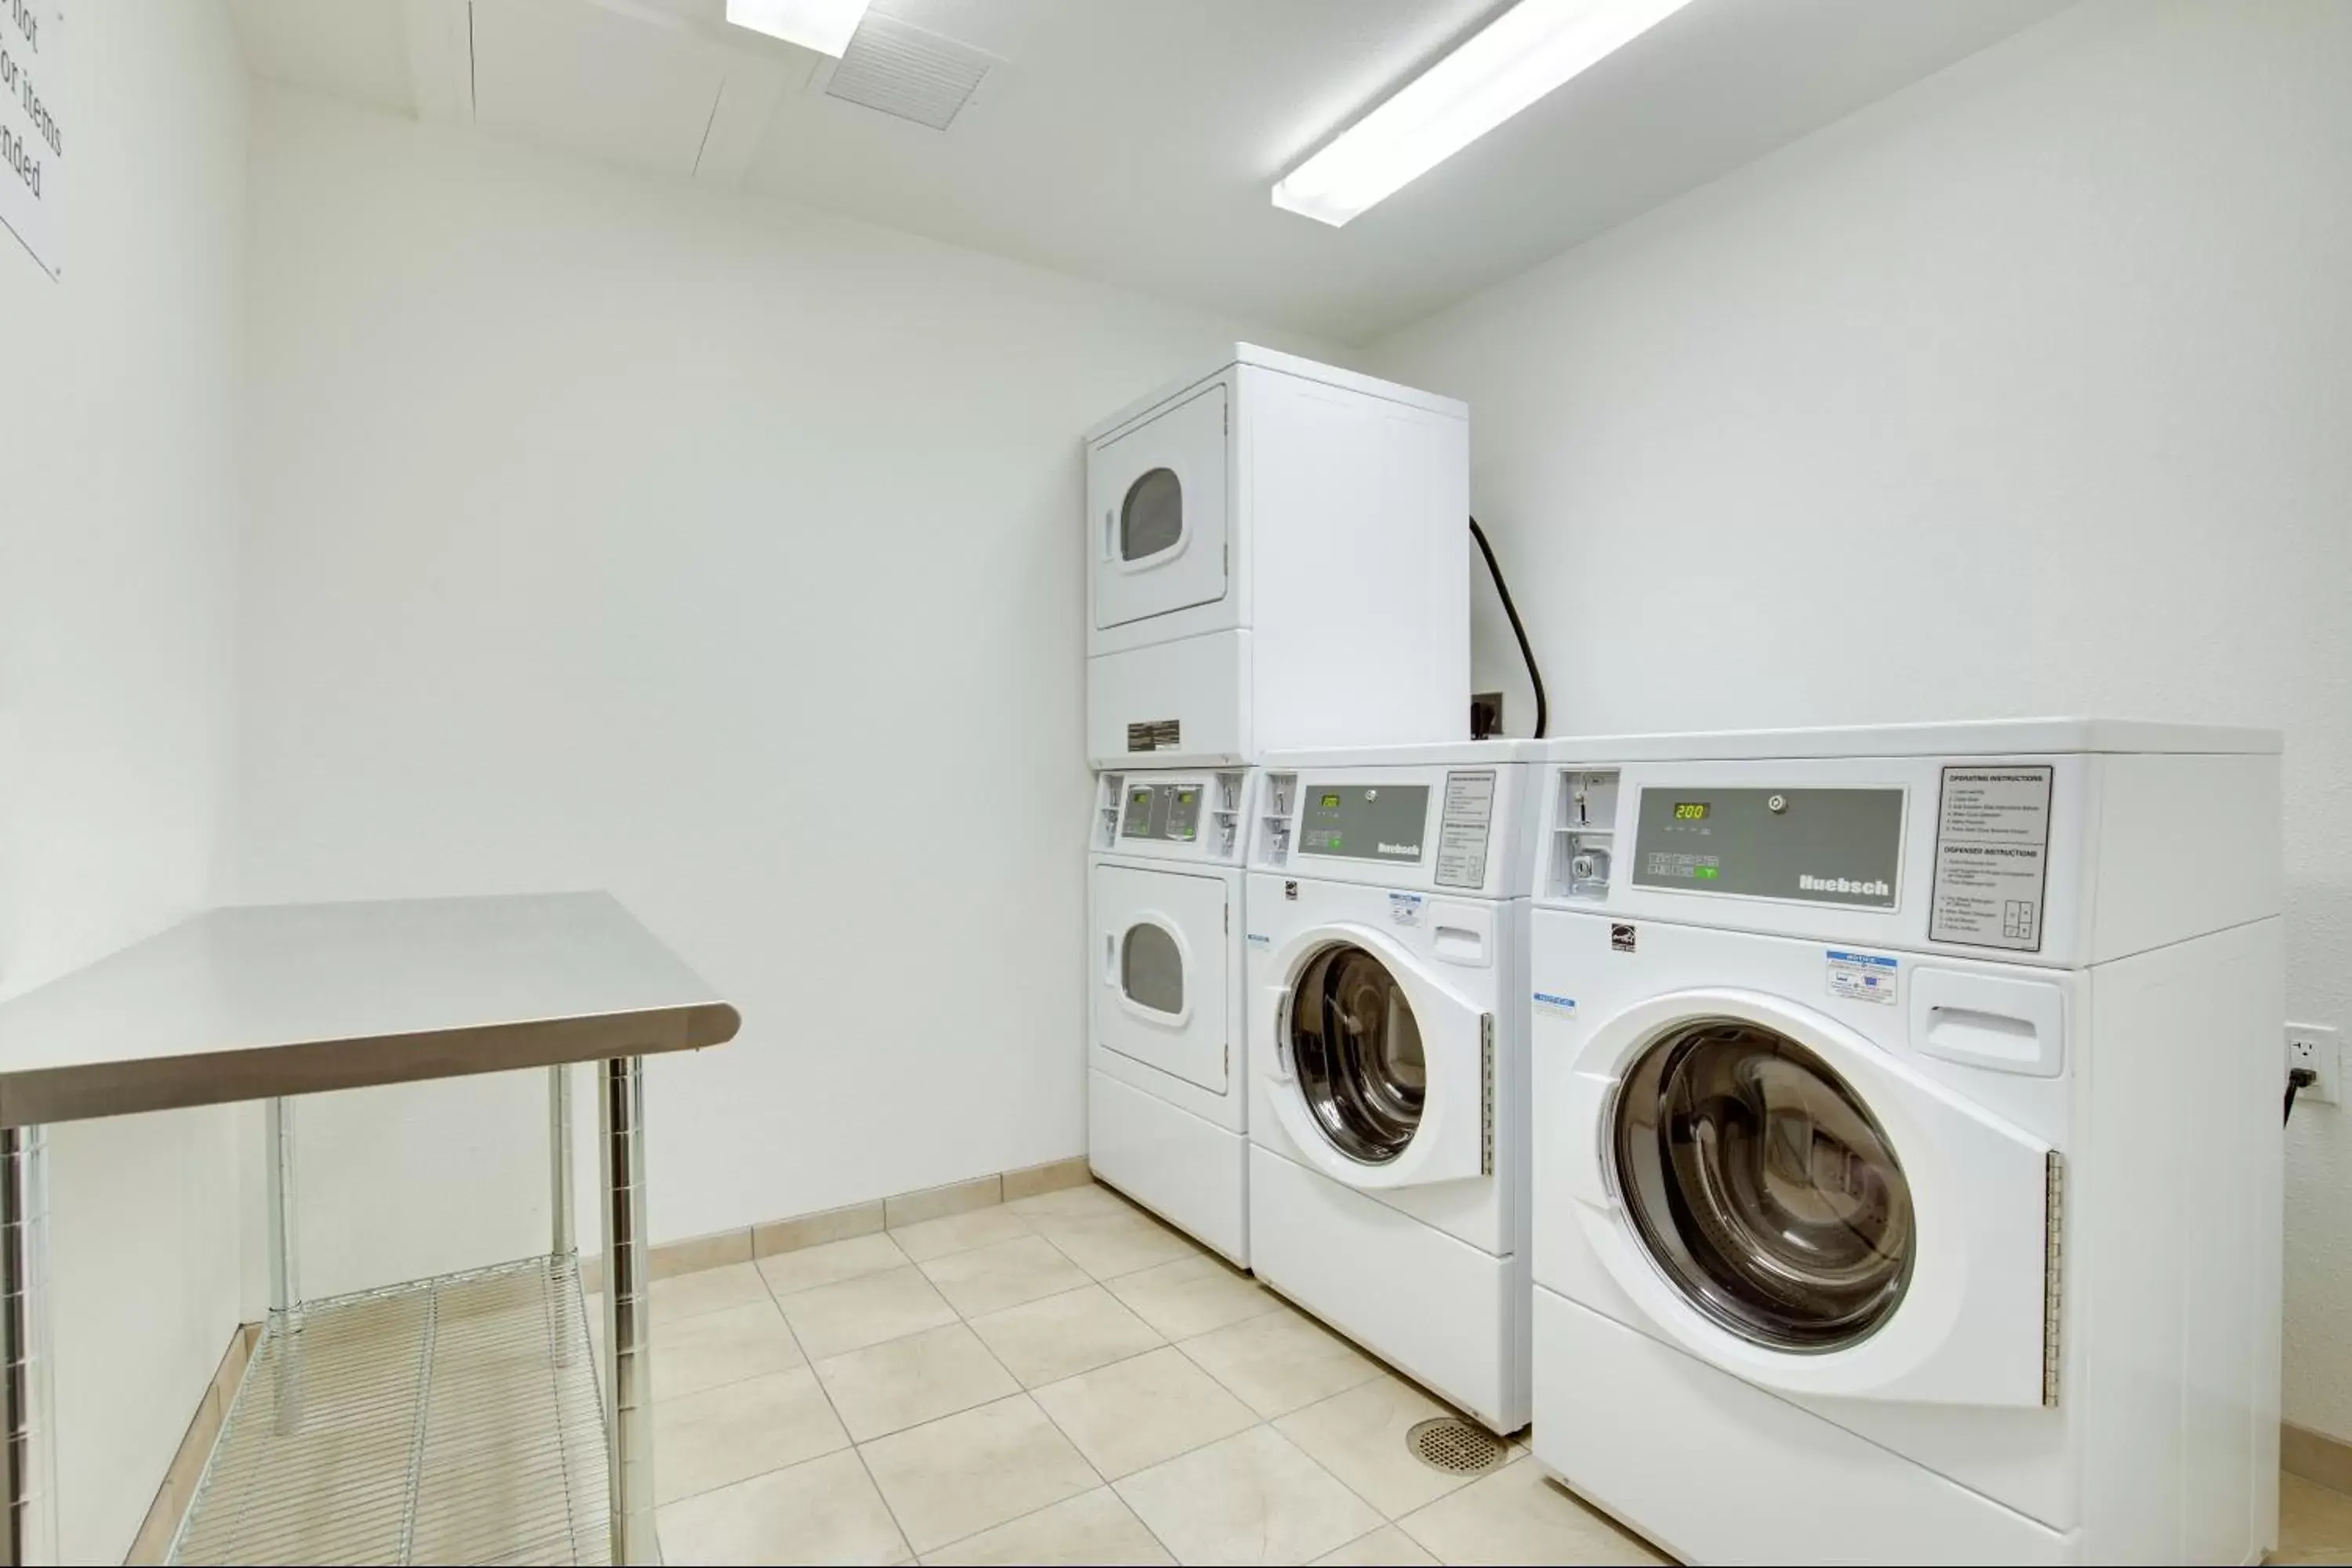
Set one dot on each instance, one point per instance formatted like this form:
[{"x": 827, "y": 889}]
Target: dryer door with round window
[
  {"x": 1161, "y": 954},
  {"x": 1156, "y": 501},
  {"x": 1382, "y": 1076},
  {"x": 1798, "y": 1205}
]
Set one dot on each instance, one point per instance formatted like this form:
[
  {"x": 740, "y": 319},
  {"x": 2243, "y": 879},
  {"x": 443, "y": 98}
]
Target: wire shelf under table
[{"x": 449, "y": 1420}]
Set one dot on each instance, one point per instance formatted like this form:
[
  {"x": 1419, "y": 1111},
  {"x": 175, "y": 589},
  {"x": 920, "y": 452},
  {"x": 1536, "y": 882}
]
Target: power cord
[
  {"x": 1503, "y": 591},
  {"x": 2297, "y": 1078}
]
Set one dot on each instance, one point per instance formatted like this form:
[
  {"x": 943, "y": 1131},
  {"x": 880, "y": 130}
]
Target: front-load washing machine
[
  {"x": 1278, "y": 556},
  {"x": 1387, "y": 904},
  {"x": 1167, "y": 1094},
  {"x": 1907, "y": 1149}
]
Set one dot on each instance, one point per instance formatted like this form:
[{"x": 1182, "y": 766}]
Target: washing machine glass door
[
  {"x": 1158, "y": 500},
  {"x": 1762, "y": 1187},
  {"x": 1160, "y": 952},
  {"x": 1356, "y": 1049},
  {"x": 1383, "y": 1076}
]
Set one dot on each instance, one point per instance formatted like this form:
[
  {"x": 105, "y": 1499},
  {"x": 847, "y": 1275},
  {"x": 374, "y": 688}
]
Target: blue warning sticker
[{"x": 1863, "y": 977}]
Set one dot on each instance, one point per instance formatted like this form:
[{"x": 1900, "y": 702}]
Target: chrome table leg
[
  {"x": 561, "y": 1239},
  {"x": 628, "y": 1305},
  {"x": 563, "y": 1244},
  {"x": 27, "y": 1392},
  {"x": 285, "y": 1279}
]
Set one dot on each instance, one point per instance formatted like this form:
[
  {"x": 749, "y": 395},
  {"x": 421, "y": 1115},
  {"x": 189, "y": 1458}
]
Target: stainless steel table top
[{"x": 251, "y": 1002}]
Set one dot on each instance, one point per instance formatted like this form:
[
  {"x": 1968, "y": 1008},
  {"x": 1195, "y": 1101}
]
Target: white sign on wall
[{"x": 32, "y": 142}]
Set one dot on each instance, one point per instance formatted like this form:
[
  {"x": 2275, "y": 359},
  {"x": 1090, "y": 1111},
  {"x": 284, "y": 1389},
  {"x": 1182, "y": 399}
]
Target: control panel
[
  {"x": 1432, "y": 825},
  {"x": 1363, "y": 822},
  {"x": 1172, "y": 815},
  {"x": 2019, "y": 856},
  {"x": 1801, "y": 843},
  {"x": 1809, "y": 845}
]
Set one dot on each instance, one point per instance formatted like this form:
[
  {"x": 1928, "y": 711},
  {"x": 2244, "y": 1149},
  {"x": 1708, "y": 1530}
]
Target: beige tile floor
[
  {"x": 1059, "y": 1380},
  {"x": 1066, "y": 1379}
]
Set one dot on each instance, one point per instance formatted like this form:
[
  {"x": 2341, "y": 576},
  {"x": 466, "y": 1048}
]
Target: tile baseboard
[
  {"x": 2315, "y": 1456},
  {"x": 815, "y": 1230},
  {"x": 196, "y": 1450},
  {"x": 939, "y": 1202},
  {"x": 747, "y": 1244},
  {"x": 1047, "y": 1178}
]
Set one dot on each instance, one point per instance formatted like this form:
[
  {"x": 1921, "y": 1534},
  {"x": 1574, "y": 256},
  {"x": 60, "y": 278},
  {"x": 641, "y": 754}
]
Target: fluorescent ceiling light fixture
[
  {"x": 823, "y": 26},
  {"x": 1514, "y": 60}
]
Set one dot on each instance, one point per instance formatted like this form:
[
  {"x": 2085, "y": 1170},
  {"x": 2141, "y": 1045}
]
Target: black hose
[{"x": 1503, "y": 590}]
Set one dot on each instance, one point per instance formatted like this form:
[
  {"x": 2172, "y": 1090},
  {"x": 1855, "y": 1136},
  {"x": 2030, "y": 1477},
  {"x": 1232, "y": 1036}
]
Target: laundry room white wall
[
  {"x": 715, "y": 551},
  {"x": 119, "y": 490},
  {"x": 2026, "y": 391}
]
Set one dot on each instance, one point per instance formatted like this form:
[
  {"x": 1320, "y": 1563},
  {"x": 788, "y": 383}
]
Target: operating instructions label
[
  {"x": 1992, "y": 855},
  {"x": 1462, "y": 832}
]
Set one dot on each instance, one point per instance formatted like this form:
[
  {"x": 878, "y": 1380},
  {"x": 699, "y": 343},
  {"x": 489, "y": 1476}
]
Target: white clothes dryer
[
  {"x": 1278, "y": 555},
  {"x": 1907, "y": 1172},
  {"x": 1388, "y": 1124},
  {"x": 1167, "y": 1102}
]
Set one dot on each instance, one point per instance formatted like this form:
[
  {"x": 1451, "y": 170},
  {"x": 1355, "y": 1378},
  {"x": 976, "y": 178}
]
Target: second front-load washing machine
[
  {"x": 1906, "y": 1141},
  {"x": 1167, "y": 1095},
  {"x": 1388, "y": 1120}
]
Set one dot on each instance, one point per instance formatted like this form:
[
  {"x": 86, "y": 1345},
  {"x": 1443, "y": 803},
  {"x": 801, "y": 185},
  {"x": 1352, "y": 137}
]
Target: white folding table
[{"x": 268, "y": 1003}]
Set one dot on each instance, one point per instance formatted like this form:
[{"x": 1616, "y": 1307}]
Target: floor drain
[{"x": 1454, "y": 1446}]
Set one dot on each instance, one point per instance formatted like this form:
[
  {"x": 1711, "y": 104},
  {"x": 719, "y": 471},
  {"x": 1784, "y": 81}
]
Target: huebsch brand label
[
  {"x": 1844, "y": 887},
  {"x": 1992, "y": 856},
  {"x": 1863, "y": 977}
]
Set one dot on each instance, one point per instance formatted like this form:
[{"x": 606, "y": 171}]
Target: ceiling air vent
[{"x": 901, "y": 70}]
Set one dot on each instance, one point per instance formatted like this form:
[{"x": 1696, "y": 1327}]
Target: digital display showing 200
[{"x": 1690, "y": 811}]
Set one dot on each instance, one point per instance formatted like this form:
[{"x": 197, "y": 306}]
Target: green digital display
[
  {"x": 1330, "y": 803},
  {"x": 1690, "y": 811}
]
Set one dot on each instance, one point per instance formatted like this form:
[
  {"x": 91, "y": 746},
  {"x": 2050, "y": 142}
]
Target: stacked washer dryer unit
[
  {"x": 1278, "y": 556},
  {"x": 1907, "y": 1148},
  {"x": 1387, "y": 931}
]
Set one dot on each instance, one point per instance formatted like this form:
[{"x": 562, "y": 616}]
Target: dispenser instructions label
[
  {"x": 1993, "y": 857},
  {"x": 1462, "y": 832},
  {"x": 32, "y": 130},
  {"x": 1863, "y": 977}
]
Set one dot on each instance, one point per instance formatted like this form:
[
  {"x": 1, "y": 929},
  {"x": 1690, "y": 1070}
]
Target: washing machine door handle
[
  {"x": 1282, "y": 1070},
  {"x": 1584, "y": 1139}
]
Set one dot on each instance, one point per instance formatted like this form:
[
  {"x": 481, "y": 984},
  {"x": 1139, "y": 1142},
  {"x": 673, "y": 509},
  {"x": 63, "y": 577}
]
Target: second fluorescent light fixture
[
  {"x": 823, "y": 26},
  {"x": 1514, "y": 60}
]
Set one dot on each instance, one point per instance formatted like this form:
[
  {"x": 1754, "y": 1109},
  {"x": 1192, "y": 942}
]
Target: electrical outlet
[{"x": 2313, "y": 1045}]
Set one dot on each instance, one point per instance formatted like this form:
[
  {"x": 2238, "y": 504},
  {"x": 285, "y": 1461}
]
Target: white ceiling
[{"x": 1134, "y": 140}]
